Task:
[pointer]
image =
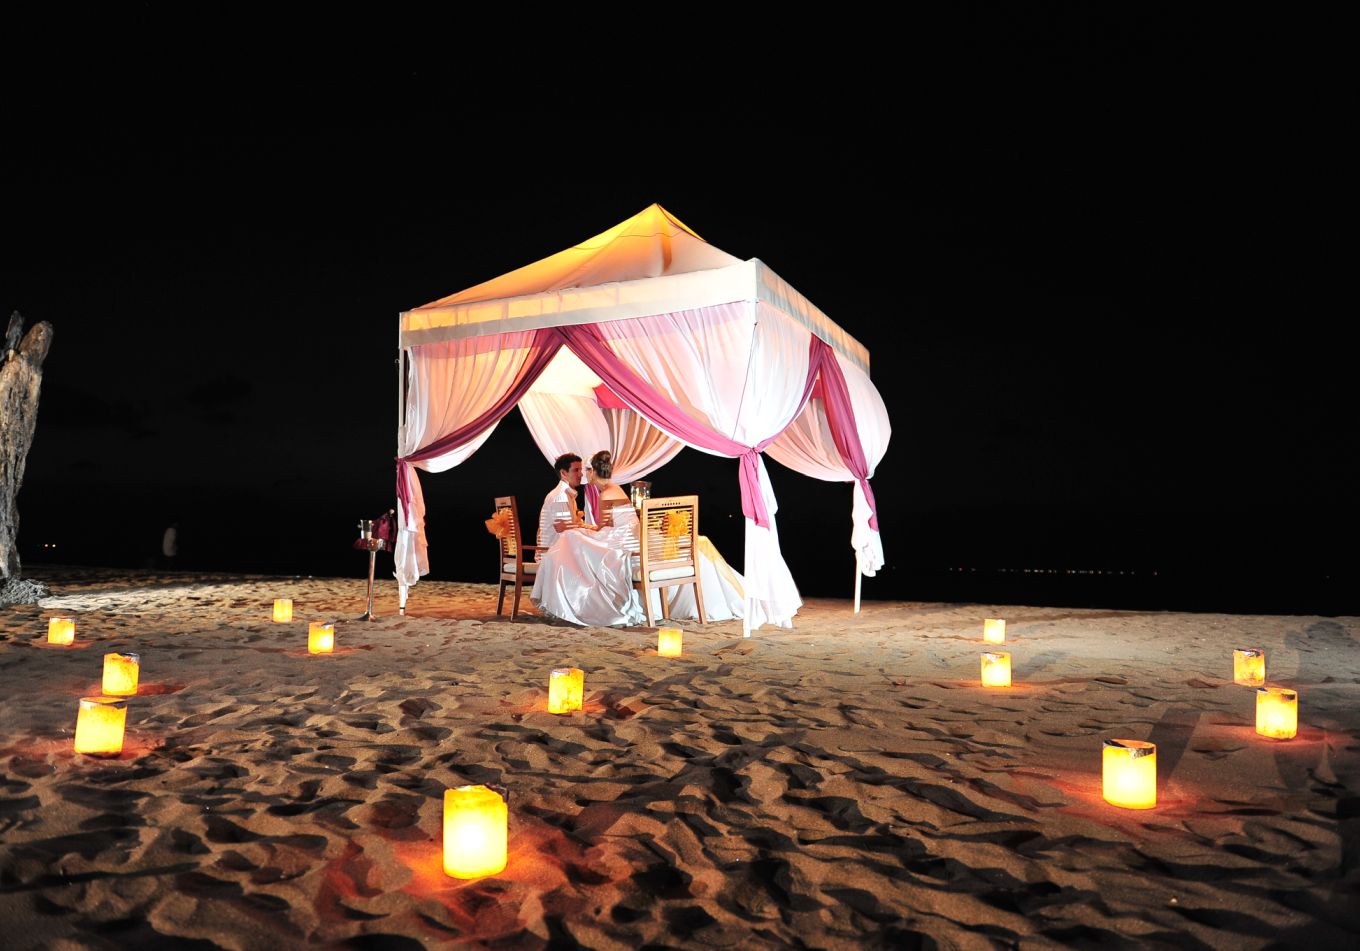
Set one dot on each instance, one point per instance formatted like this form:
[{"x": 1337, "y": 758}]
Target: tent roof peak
[
  {"x": 648, "y": 264},
  {"x": 652, "y": 243}
]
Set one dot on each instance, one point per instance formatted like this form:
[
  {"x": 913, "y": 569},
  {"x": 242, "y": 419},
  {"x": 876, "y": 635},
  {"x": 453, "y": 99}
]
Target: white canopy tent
[{"x": 646, "y": 339}]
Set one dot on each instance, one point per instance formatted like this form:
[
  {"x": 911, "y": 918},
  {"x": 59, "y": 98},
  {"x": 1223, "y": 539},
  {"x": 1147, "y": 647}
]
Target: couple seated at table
[{"x": 585, "y": 571}]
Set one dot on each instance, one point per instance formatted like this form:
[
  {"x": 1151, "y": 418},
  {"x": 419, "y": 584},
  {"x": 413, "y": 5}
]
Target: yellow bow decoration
[
  {"x": 499, "y": 525},
  {"x": 674, "y": 527}
]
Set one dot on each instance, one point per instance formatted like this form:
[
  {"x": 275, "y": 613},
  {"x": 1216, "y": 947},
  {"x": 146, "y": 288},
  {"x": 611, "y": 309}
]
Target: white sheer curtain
[
  {"x": 450, "y": 384},
  {"x": 806, "y": 447},
  {"x": 564, "y": 415},
  {"x": 741, "y": 369},
  {"x": 639, "y": 448},
  {"x": 561, "y": 422}
]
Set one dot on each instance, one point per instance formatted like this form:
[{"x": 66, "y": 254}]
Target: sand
[{"x": 847, "y": 784}]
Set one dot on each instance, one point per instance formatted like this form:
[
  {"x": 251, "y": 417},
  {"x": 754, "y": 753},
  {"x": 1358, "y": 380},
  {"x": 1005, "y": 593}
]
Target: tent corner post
[{"x": 859, "y": 578}]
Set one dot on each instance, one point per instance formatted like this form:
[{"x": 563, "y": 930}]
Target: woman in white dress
[{"x": 586, "y": 577}]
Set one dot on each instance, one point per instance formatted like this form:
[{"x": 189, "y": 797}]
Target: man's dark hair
[{"x": 565, "y": 460}]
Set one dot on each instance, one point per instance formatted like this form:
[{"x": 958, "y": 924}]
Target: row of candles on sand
[
  {"x": 476, "y": 818},
  {"x": 1129, "y": 767}
]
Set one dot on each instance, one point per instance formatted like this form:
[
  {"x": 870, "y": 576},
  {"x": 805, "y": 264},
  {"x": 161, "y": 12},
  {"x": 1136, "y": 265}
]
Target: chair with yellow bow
[
  {"x": 514, "y": 569},
  {"x": 668, "y": 551}
]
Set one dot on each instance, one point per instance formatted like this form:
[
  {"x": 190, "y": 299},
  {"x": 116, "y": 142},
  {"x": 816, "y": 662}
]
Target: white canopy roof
[{"x": 650, "y": 264}]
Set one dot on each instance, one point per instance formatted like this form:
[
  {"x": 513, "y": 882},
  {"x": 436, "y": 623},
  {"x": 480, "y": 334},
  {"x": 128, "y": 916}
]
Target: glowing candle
[
  {"x": 320, "y": 637},
  {"x": 996, "y": 669},
  {"x": 1130, "y": 773},
  {"x": 668, "y": 641},
  {"x": 994, "y": 631},
  {"x": 99, "y": 726},
  {"x": 1277, "y": 712},
  {"x": 476, "y": 831},
  {"x": 283, "y": 609},
  {"x": 120, "y": 674},
  {"x": 1249, "y": 666},
  {"x": 61, "y": 630},
  {"x": 566, "y": 685}
]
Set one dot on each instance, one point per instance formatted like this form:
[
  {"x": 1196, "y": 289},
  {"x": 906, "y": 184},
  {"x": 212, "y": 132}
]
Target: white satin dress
[{"x": 586, "y": 578}]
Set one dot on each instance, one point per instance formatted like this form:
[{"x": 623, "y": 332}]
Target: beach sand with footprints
[{"x": 846, "y": 784}]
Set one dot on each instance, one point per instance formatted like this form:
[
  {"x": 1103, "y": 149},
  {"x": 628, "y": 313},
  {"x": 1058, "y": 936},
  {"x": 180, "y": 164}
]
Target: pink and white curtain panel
[{"x": 731, "y": 380}]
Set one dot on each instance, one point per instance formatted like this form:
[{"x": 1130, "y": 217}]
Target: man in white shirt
[{"x": 559, "y": 508}]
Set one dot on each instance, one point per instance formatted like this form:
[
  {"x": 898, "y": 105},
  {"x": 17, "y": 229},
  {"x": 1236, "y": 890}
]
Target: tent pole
[
  {"x": 401, "y": 424},
  {"x": 859, "y": 577}
]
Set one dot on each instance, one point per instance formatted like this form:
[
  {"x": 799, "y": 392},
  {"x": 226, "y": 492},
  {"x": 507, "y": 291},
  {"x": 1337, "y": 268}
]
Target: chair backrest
[
  {"x": 670, "y": 531},
  {"x": 509, "y": 542}
]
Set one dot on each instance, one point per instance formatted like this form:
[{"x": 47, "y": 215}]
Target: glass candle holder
[
  {"x": 669, "y": 641},
  {"x": 121, "y": 672},
  {"x": 994, "y": 630},
  {"x": 996, "y": 669},
  {"x": 283, "y": 609},
  {"x": 1277, "y": 712},
  {"x": 61, "y": 630},
  {"x": 566, "y": 686},
  {"x": 1249, "y": 666},
  {"x": 320, "y": 637},
  {"x": 476, "y": 831},
  {"x": 1129, "y": 774},
  {"x": 99, "y": 726}
]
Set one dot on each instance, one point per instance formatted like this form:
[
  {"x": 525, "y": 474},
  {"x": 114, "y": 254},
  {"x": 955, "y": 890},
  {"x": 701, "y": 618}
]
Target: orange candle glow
[
  {"x": 320, "y": 637},
  {"x": 994, "y": 630},
  {"x": 1277, "y": 712},
  {"x": 120, "y": 674},
  {"x": 669, "y": 641},
  {"x": 99, "y": 726},
  {"x": 566, "y": 686},
  {"x": 476, "y": 831},
  {"x": 1249, "y": 666},
  {"x": 283, "y": 609},
  {"x": 61, "y": 630},
  {"x": 996, "y": 669},
  {"x": 1130, "y": 774}
]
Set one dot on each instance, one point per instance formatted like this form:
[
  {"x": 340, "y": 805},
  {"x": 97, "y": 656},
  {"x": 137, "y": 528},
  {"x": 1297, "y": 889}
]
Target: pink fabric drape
[
  {"x": 543, "y": 349},
  {"x": 840, "y": 416},
  {"x": 606, "y": 399},
  {"x": 588, "y": 343}
]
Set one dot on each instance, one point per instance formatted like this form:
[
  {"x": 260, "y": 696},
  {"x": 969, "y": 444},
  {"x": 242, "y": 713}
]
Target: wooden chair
[
  {"x": 668, "y": 551},
  {"x": 510, "y": 549}
]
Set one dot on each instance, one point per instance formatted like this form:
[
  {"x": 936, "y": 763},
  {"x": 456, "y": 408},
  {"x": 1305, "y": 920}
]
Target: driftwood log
[{"x": 20, "y": 379}]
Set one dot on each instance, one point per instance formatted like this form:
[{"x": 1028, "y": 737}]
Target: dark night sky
[{"x": 1071, "y": 248}]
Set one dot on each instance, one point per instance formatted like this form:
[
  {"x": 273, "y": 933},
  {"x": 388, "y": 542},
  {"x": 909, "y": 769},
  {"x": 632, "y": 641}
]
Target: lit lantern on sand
[
  {"x": 994, "y": 630},
  {"x": 996, "y": 669},
  {"x": 1277, "y": 712},
  {"x": 1130, "y": 773},
  {"x": 566, "y": 685},
  {"x": 669, "y": 641},
  {"x": 61, "y": 630},
  {"x": 1249, "y": 667},
  {"x": 320, "y": 637},
  {"x": 283, "y": 609},
  {"x": 476, "y": 830},
  {"x": 120, "y": 674},
  {"x": 99, "y": 726}
]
